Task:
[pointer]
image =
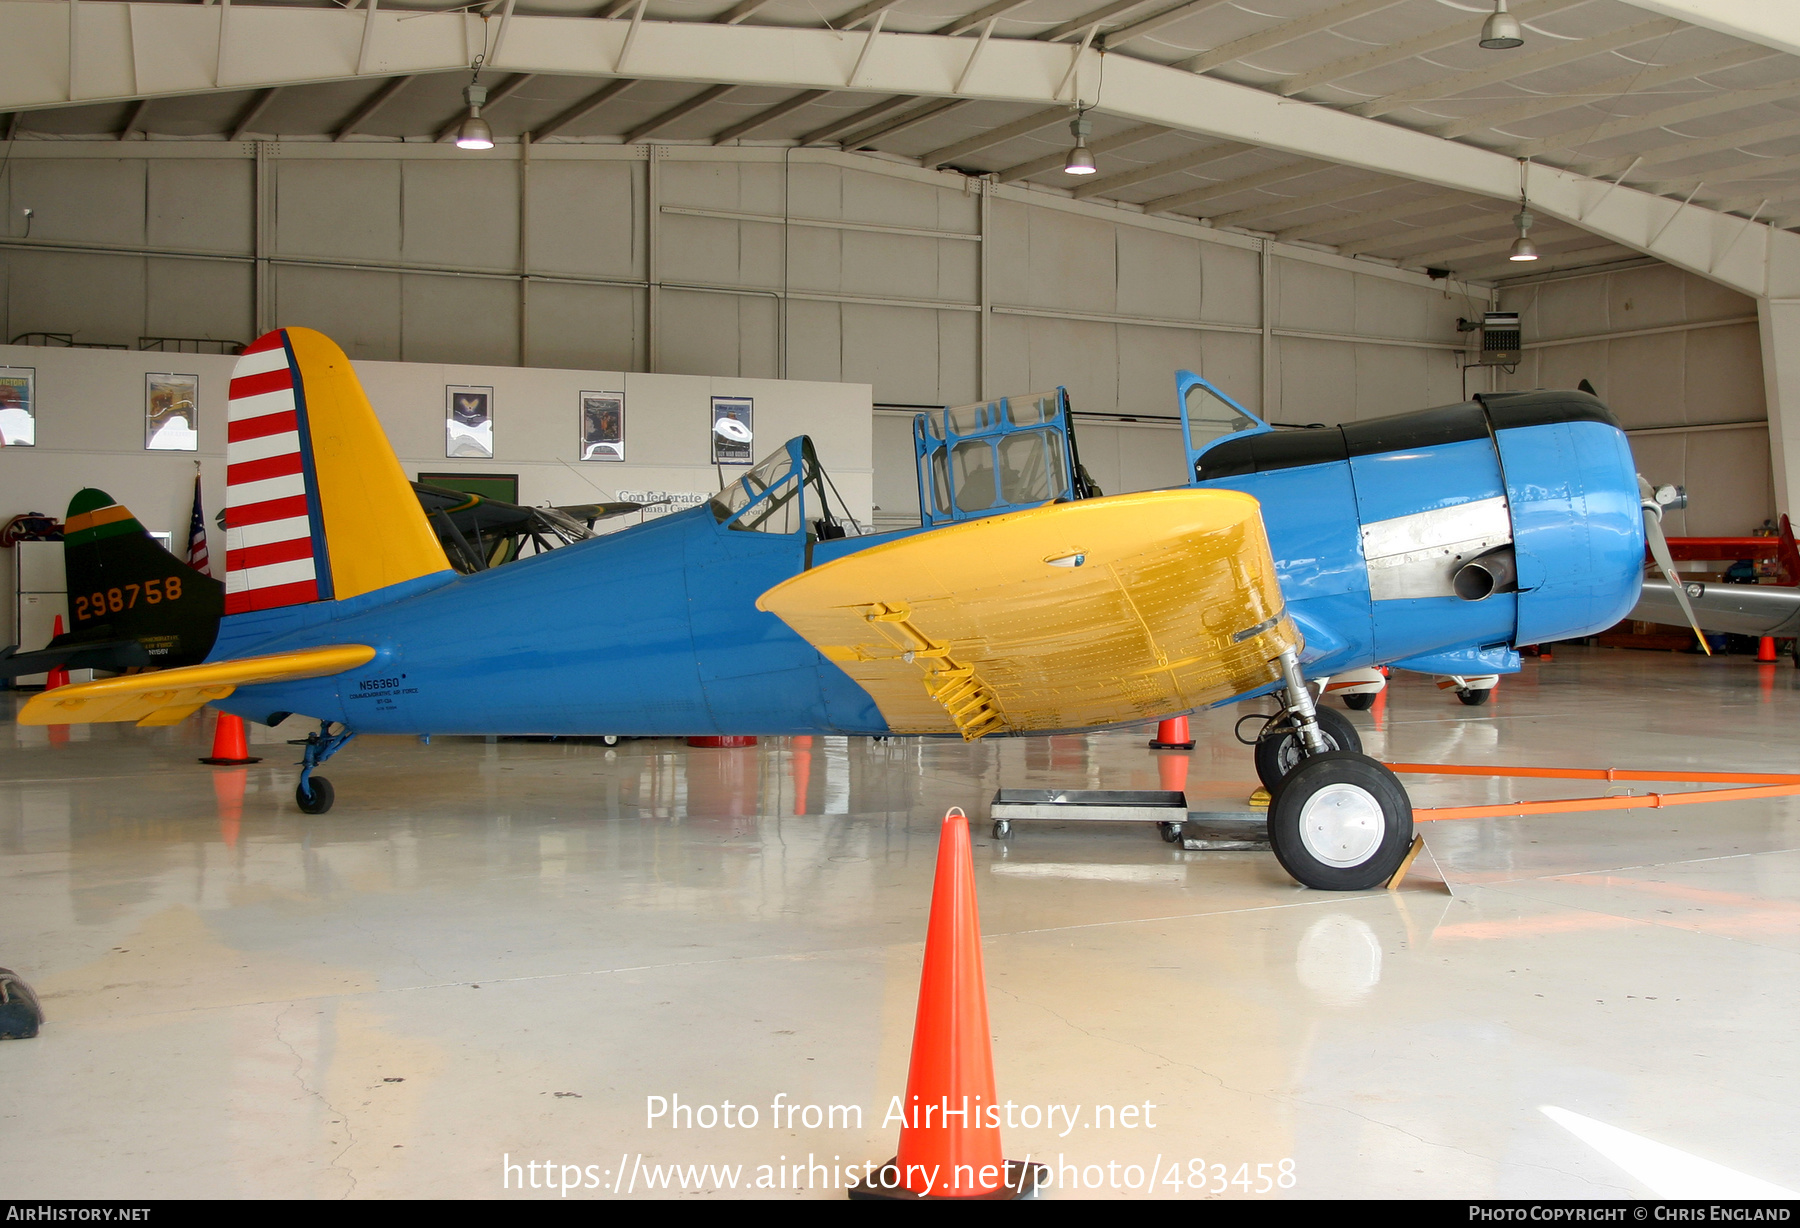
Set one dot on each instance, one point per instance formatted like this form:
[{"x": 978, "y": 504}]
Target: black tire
[
  {"x": 319, "y": 800},
  {"x": 1171, "y": 832},
  {"x": 1002, "y": 829},
  {"x": 1362, "y": 851},
  {"x": 1361, "y": 703},
  {"x": 1475, "y": 698},
  {"x": 1279, "y": 753}
]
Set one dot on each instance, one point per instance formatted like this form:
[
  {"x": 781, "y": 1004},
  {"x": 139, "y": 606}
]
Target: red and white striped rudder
[{"x": 274, "y": 544}]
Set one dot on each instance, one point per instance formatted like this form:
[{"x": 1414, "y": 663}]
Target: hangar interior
[{"x": 847, "y": 216}]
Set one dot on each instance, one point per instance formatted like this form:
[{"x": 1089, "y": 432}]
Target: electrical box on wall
[{"x": 1501, "y": 344}]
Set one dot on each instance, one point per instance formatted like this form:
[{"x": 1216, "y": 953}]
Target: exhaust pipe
[{"x": 1486, "y": 574}]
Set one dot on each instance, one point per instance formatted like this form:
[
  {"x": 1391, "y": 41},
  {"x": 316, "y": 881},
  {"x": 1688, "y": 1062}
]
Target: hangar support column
[{"x": 1779, "y": 322}]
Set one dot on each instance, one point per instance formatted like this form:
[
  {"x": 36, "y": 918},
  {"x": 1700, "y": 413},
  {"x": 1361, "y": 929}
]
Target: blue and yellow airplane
[{"x": 1024, "y": 603}]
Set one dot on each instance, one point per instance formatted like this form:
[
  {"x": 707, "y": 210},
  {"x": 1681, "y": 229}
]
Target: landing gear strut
[
  {"x": 314, "y": 794},
  {"x": 1284, "y": 741},
  {"x": 1338, "y": 820}
]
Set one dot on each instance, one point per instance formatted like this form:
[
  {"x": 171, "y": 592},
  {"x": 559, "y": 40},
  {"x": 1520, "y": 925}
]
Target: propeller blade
[{"x": 1659, "y": 550}]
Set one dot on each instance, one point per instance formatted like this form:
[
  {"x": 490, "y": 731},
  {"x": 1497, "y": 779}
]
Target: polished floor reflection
[{"x": 495, "y": 953}]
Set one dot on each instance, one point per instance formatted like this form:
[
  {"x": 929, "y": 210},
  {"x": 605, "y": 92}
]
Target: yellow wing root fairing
[
  {"x": 168, "y": 696},
  {"x": 1173, "y": 605}
]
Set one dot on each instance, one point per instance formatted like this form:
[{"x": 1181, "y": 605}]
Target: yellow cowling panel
[
  {"x": 994, "y": 613},
  {"x": 166, "y": 696},
  {"x": 374, "y": 527}
]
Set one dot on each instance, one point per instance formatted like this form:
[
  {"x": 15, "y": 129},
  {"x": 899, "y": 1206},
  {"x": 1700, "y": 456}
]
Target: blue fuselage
[
  {"x": 654, "y": 630},
  {"x": 1556, "y": 467}
]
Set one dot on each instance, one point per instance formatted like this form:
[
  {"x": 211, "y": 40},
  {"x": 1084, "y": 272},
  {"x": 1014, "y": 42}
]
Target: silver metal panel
[{"x": 1417, "y": 555}]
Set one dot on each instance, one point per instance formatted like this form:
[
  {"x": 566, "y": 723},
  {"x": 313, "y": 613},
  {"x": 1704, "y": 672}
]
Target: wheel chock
[{"x": 1412, "y": 855}]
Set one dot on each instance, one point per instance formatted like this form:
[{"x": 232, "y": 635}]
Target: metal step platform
[{"x": 1195, "y": 830}]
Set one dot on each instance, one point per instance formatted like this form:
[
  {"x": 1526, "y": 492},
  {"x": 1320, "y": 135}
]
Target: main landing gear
[
  {"x": 1338, "y": 820},
  {"x": 314, "y": 794}
]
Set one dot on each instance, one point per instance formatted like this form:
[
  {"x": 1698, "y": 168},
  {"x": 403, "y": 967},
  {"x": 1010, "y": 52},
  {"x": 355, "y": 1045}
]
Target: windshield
[
  {"x": 785, "y": 492},
  {"x": 1211, "y": 417}
]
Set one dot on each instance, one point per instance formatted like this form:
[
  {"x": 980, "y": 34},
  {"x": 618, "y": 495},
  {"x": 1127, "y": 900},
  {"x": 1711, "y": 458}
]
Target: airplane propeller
[{"x": 1655, "y": 501}]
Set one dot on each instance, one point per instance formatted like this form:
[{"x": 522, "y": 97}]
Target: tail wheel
[
  {"x": 1475, "y": 698},
  {"x": 1360, "y": 703},
  {"x": 318, "y": 800},
  {"x": 1340, "y": 822},
  {"x": 1280, "y": 752}
]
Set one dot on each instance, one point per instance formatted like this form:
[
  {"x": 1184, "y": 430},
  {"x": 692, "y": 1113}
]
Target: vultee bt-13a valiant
[{"x": 1025, "y": 603}]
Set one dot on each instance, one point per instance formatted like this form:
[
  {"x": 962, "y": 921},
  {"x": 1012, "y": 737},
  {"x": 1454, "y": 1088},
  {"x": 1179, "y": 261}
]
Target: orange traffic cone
[
  {"x": 949, "y": 1133},
  {"x": 229, "y": 749},
  {"x": 802, "y": 771},
  {"x": 1173, "y": 771},
  {"x": 228, "y": 790},
  {"x": 1172, "y": 734},
  {"x": 1765, "y": 650},
  {"x": 60, "y": 675}
]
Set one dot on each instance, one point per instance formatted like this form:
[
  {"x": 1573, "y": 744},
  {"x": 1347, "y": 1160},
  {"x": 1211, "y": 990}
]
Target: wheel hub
[
  {"x": 1293, "y": 752},
  {"x": 1342, "y": 825}
]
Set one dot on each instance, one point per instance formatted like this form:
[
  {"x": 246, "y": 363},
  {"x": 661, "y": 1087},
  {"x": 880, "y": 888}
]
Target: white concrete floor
[{"x": 503, "y": 950}]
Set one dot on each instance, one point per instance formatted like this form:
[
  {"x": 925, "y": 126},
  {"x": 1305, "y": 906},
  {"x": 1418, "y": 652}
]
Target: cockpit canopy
[
  {"x": 994, "y": 456},
  {"x": 785, "y": 492}
]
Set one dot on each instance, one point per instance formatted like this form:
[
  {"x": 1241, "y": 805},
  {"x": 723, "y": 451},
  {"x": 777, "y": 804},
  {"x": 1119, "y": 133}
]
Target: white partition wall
[{"x": 90, "y": 432}]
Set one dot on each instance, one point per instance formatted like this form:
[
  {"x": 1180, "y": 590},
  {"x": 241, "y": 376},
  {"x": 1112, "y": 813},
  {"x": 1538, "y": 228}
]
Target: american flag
[{"x": 197, "y": 556}]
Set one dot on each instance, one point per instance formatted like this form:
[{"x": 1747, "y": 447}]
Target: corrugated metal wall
[
  {"x": 1677, "y": 357},
  {"x": 677, "y": 259}
]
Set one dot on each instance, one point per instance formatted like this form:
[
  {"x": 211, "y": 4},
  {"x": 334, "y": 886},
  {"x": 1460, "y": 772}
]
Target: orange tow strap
[{"x": 1765, "y": 784}]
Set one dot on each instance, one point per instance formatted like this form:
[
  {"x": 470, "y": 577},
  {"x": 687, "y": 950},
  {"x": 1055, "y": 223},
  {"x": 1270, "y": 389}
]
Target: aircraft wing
[
  {"x": 1741, "y": 609},
  {"x": 168, "y": 696},
  {"x": 1059, "y": 617}
]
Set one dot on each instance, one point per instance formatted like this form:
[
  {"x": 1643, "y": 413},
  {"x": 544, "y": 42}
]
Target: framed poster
[
  {"x": 18, "y": 407},
  {"x": 731, "y": 444},
  {"x": 468, "y": 421},
  {"x": 602, "y": 426},
  {"x": 171, "y": 412}
]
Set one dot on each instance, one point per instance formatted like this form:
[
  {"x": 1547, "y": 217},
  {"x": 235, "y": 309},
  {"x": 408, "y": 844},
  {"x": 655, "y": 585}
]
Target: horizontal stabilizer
[
  {"x": 103, "y": 654},
  {"x": 170, "y": 695},
  {"x": 1064, "y": 616}
]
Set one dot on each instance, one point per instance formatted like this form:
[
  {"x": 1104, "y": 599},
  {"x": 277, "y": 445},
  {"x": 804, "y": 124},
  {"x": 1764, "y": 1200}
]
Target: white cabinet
[{"x": 38, "y": 581}]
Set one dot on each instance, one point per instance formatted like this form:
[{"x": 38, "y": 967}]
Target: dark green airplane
[{"x": 132, "y": 604}]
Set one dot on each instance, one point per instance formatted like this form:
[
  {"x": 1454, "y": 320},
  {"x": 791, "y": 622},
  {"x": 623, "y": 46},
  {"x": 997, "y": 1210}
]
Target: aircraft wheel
[
  {"x": 1002, "y": 829},
  {"x": 1340, "y": 822},
  {"x": 1360, "y": 703},
  {"x": 1280, "y": 753},
  {"x": 1474, "y": 698},
  {"x": 319, "y": 800}
]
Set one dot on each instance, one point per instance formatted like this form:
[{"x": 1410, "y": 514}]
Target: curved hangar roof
[{"x": 1636, "y": 91}]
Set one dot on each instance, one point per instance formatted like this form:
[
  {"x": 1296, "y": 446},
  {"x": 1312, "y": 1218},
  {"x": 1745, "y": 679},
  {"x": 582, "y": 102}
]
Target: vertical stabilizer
[{"x": 317, "y": 507}]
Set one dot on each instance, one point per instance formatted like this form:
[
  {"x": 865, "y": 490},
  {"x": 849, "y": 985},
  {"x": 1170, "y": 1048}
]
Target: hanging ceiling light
[
  {"x": 1080, "y": 160},
  {"x": 1523, "y": 248},
  {"x": 1501, "y": 30},
  {"x": 475, "y": 133}
]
